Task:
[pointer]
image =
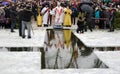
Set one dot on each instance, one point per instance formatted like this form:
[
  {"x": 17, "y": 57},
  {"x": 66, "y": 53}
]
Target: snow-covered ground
[
  {"x": 110, "y": 58},
  {"x": 20, "y": 62},
  {"x": 100, "y": 38},
  {"x": 29, "y": 63},
  {"x": 8, "y": 39}
]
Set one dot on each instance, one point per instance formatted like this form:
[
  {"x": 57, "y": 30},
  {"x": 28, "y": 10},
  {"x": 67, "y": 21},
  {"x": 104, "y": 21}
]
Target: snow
[
  {"x": 8, "y": 39},
  {"x": 100, "y": 38},
  {"x": 80, "y": 71},
  {"x": 110, "y": 58},
  {"x": 20, "y": 62},
  {"x": 30, "y": 62}
]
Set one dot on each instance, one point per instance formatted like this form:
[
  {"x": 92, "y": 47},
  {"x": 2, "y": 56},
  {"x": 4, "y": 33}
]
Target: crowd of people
[{"x": 93, "y": 14}]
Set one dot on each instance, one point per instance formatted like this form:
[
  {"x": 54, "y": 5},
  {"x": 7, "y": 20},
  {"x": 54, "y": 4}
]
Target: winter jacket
[
  {"x": 97, "y": 14},
  {"x": 20, "y": 15},
  {"x": 7, "y": 12},
  {"x": 26, "y": 15},
  {"x": 115, "y": 0},
  {"x": 13, "y": 13},
  {"x": 74, "y": 11},
  {"x": 2, "y": 15},
  {"x": 107, "y": 1}
]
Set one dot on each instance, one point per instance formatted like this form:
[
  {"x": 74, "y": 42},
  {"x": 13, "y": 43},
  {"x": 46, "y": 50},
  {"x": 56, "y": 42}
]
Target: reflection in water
[
  {"x": 107, "y": 48},
  {"x": 64, "y": 50},
  {"x": 7, "y": 49}
]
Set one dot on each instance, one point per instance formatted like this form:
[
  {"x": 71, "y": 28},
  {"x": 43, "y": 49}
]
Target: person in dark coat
[
  {"x": 34, "y": 10},
  {"x": 13, "y": 14},
  {"x": 97, "y": 16},
  {"x": 7, "y": 16},
  {"x": 2, "y": 17},
  {"x": 111, "y": 20},
  {"x": 74, "y": 14},
  {"x": 26, "y": 21},
  {"x": 89, "y": 21},
  {"x": 20, "y": 11},
  {"x": 80, "y": 22}
]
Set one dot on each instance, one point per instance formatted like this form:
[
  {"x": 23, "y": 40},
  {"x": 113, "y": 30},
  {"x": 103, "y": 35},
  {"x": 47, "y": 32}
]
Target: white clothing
[
  {"x": 45, "y": 15},
  {"x": 59, "y": 15}
]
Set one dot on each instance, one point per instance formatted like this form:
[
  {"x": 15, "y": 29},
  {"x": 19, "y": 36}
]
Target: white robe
[
  {"x": 45, "y": 16},
  {"x": 59, "y": 15}
]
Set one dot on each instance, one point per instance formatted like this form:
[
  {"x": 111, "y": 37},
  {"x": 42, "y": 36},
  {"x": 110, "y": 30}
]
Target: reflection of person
[
  {"x": 87, "y": 59},
  {"x": 51, "y": 35},
  {"x": 50, "y": 49},
  {"x": 55, "y": 55},
  {"x": 67, "y": 37}
]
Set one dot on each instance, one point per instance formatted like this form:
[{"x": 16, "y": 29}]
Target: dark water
[
  {"x": 64, "y": 50},
  {"x": 19, "y": 49}
]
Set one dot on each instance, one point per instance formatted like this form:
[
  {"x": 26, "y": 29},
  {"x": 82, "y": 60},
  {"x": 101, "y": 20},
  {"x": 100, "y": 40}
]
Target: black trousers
[
  {"x": 2, "y": 25},
  {"x": 80, "y": 27},
  {"x": 73, "y": 19},
  {"x": 111, "y": 26},
  {"x": 20, "y": 28},
  {"x": 90, "y": 23}
]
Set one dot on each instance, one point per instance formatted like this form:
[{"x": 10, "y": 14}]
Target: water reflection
[
  {"x": 16, "y": 49},
  {"x": 64, "y": 50},
  {"x": 107, "y": 48}
]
